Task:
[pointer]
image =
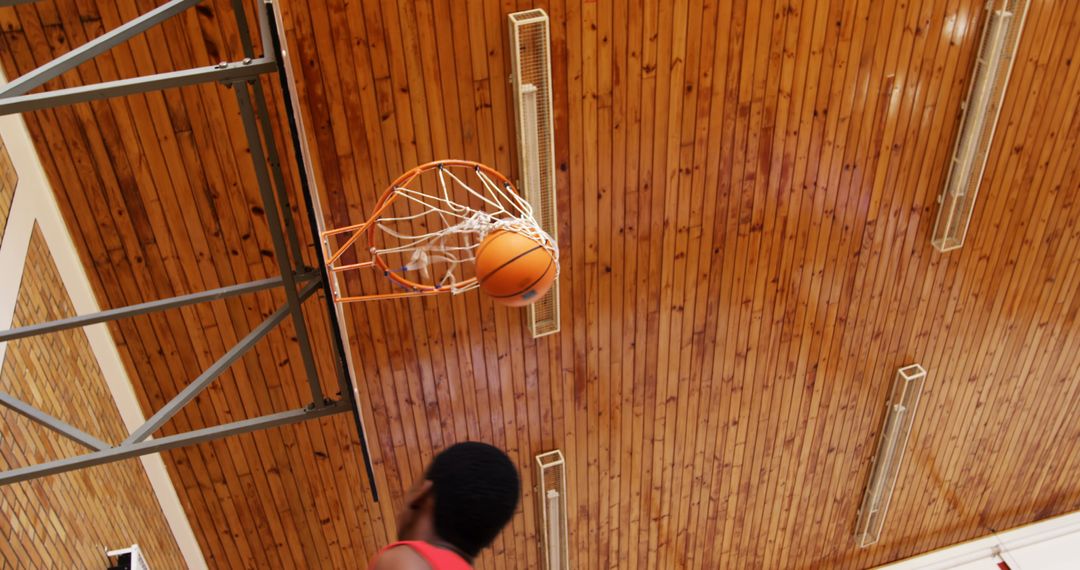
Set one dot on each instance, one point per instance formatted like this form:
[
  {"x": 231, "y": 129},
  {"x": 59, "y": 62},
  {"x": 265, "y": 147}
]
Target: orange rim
[{"x": 385, "y": 200}]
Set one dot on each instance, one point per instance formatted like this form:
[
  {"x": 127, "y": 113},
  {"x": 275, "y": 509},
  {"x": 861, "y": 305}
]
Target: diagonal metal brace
[
  {"x": 59, "y": 426},
  {"x": 187, "y": 394},
  {"x": 94, "y": 47},
  {"x": 126, "y": 451},
  {"x": 148, "y": 307}
]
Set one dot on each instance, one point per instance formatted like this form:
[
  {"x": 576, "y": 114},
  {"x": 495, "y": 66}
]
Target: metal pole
[
  {"x": 149, "y": 307},
  {"x": 272, "y": 45},
  {"x": 222, "y": 72},
  {"x": 242, "y": 27},
  {"x": 275, "y": 170},
  {"x": 340, "y": 362},
  {"x": 267, "y": 128},
  {"x": 187, "y": 394},
  {"x": 282, "y": 254},
  {"x": 6, "y": 3},
  {"x": 98, "y": 45},
  {"x": 59, "y": 426},
  {"x": 126, "y": 451}
]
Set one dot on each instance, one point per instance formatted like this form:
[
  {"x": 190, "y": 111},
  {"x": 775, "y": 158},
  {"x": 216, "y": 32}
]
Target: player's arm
[{"x": 400, "y": 558}]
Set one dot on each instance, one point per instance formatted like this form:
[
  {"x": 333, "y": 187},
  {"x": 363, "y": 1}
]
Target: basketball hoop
[{"x": 428, "y": 228}]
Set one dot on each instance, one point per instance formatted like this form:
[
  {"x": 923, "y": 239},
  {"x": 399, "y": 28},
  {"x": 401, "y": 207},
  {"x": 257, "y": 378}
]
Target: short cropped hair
[{"x": 476, "y": 489}]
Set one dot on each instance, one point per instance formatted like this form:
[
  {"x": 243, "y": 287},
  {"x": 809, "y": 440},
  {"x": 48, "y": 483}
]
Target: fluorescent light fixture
[
  {"x": 993, "y": 65},
  {"x": 530, "y": 52},
  {"x": 903, "y": 400},
  {"x": 551, "y": 510}
]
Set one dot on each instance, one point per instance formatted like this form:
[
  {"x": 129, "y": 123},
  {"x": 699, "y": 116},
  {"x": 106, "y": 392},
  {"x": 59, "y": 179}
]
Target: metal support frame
[
  {"x": 59, "y": 426},
  {"x": 169, "y": 442},
  {"x": 243, "y": 77},
  {"x": 187, "y": 394},
  {"x": 149, "y": 307},
  {"x": 229, "y": 71},
  {"x": 95, "y": 47},
  {"x": 270, "y": 206}
]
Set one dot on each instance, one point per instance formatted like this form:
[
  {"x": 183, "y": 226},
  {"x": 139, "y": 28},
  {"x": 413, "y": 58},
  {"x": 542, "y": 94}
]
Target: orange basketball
[{"x": 513, "y": 268}]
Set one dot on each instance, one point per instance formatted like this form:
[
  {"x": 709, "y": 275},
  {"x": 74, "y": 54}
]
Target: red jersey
[{"x": 437, "y": 558}]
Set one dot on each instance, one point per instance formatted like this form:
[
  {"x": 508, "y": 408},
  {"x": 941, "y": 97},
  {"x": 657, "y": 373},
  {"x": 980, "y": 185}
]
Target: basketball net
[{"x": 451, "y": 246}]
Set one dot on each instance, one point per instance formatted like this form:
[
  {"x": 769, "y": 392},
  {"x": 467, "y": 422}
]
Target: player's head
[{"x": 467, "y": 495}]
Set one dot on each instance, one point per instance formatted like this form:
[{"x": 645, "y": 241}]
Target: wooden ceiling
[{"x": 746, "y": 192}]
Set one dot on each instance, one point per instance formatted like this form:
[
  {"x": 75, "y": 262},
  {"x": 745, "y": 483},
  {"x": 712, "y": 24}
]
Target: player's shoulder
[{"x": 400, "y": 557}]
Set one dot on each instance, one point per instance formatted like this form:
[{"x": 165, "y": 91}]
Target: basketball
[{"x": 513, "y": 268}]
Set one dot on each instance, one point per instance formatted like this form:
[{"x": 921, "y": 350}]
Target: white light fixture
[
  {"x": 903, "y": 400},
  {"x": 551, "y": 510},
  {"x": 530, "y": 58},
  {"x": 993, "y": 66}
]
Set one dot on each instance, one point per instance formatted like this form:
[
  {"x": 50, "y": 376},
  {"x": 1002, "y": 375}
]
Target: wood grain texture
[{"x": 746, "y": 192}]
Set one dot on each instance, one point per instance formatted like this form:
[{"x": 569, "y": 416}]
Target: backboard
[{"x": 310, "y": 190}]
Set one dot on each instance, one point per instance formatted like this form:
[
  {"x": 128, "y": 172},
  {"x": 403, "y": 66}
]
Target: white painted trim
[
  {"x": 34, "y": 201},
  {"x": 13, "y": 247},
  {"x": 987, "y": 547}
]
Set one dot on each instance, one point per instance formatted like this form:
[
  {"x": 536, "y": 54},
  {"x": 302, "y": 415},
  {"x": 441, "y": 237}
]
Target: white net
[{"x": 434, "y": 234}]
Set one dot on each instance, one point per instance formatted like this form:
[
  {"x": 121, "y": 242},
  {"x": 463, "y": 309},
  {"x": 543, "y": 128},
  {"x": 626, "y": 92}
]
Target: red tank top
[{"x": 437, "y": 558}]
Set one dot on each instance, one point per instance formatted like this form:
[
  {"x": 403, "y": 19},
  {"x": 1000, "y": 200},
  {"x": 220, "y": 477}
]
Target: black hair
[{"x": 476, "y": 490}]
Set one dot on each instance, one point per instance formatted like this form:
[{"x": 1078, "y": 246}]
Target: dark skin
[{"x": 416, "y": 521}]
